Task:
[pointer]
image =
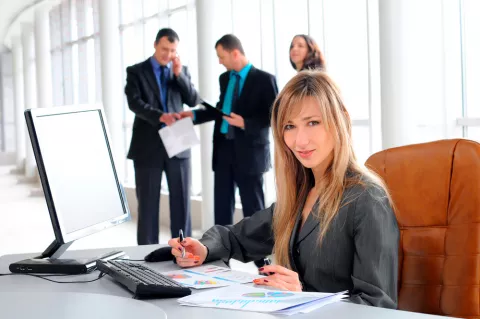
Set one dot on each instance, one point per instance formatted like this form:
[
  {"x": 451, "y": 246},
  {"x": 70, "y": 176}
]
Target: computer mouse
[{"x": 160, "y": 254}]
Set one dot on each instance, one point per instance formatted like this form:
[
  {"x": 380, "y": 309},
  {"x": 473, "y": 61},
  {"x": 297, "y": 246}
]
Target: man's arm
[
  {"x": 187, "y": 90},
  {"x": 261, "y": 120},
  {"x": 203, "y": 116},
  {"x": 135, "y": 103}
]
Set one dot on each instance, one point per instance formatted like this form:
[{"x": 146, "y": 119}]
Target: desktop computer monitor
[{"x": 77, "y": 171}]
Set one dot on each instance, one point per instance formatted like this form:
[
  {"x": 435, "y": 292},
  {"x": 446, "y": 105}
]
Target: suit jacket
[
  {"x": 143, "y": 96},
  {"x": 252, "y": 144},
  {"x": 359, "y": 252}
]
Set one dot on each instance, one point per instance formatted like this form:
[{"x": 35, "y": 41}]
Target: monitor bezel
[{"x": 61, "y": 235}]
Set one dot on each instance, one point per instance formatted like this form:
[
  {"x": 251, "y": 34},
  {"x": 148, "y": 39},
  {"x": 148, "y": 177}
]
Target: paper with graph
[
  {"x": 194, "y": 280},
  {"x": 247, "y": 298},
  {"x": 207, "y": 276}
]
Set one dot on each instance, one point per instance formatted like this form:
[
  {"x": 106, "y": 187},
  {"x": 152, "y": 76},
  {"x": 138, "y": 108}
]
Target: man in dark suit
[
  {"x": 241, "y": 147},
  {"x": 156, "y": 90}
]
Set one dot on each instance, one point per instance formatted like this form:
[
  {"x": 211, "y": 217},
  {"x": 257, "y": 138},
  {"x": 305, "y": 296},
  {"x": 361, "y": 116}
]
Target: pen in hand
[
  {"x": 181, "y": 239},
  {"x": 268, "y": 262}
]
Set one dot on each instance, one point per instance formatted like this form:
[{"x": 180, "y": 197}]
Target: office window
[
  {"x": 7, "y": 104},
  {"x": 345, "y": 44},
  {"x": 343, "y": 37},
  {"x": 138, "y": 29},
  {"x": 470, "y": 37},
  {"x": 75, "y": 49},
  {"x": 290, "y": 18},
  {"x": 246, "y": 22},
  {"x": 471, "y": 42}
]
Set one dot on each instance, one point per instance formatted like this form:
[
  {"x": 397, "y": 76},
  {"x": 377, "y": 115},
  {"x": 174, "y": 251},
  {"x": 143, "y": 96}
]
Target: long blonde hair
[{"x": 293, "y": 180}]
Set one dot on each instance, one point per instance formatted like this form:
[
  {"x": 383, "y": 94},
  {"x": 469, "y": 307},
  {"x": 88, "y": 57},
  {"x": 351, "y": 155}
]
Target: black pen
[
  {"x": 268, "y": 262},
  {"x": 180, "y": 234}
]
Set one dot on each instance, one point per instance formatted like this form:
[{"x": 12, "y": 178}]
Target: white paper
[
  {"x": 246, "y": 298},
  {"x": 207, "y": 276},
  {"x": 194, "y": 280},
  {"x": 226, "y": 274},
  {"x": 179, "y": 137}
]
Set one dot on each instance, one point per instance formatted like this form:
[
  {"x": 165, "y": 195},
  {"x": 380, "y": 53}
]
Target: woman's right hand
[{"x": 195, "y": 251}]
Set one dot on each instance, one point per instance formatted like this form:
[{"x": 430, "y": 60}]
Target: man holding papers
[
  {"x": 241, "y": 147},
  {"x": 156, "y": 90}
]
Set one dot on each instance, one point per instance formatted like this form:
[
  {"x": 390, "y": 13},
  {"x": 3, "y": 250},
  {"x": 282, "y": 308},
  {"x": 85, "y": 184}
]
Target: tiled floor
[{"x": 25, "y": 224}]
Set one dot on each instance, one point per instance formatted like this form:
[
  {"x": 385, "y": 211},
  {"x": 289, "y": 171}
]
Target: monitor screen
[{"x": 78, "y": 170}]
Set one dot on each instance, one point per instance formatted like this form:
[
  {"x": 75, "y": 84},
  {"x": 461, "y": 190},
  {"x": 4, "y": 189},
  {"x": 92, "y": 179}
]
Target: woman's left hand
[{"x": 282, "y": 278}]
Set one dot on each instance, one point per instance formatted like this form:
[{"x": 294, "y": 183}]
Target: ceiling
[{"x": 10, "y": 12}]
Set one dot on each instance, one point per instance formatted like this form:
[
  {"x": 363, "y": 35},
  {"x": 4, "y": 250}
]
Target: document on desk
[
  {"x": 210, "y": 276},
  {"x": 179, "y": 137},
  {"x": 247, "y": 298}
]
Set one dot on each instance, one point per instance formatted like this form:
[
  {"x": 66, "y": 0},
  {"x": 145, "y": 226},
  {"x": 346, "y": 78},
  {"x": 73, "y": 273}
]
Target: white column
[
  {"x": 3, "y": 121},
  {"x": 43, "y": 58},
  {"x": 393, "y": 73},
  {"x": 17, "y": 56},
  {"x": 210, "y": 16},
  {"x": 30, "y": 91},
  {"x": 112, "y": 90}
]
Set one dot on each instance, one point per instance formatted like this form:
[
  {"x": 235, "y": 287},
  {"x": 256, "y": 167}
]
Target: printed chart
[{"x": 210, "y": 277}]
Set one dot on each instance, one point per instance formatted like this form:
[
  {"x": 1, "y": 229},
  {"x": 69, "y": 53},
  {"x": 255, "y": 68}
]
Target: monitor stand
[{"x": 49, "y": 263}]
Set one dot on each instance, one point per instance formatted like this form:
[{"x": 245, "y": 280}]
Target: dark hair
[
  {"x": 314, "y": 58},
  {"x": 171, "y": 35},
  {"x": 229, "y": 42}
]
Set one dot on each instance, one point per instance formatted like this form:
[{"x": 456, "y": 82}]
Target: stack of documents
[
  {"x": 247, "y": 298},
  {"x": 208, "y": 276}
]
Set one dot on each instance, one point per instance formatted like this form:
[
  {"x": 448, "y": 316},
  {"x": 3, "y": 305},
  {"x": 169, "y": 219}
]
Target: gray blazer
[{"x": 359, "y": 252}]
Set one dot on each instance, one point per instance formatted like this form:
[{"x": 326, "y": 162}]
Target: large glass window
[
  {"x": 75, "y": 49},
  {"x": 266, "y": 29},
  {"x": 7, "y": 104},
  {"x": 470, "y": 31},
  {"x": 139, "y": 24},
  {"x": 441, "y": 96}
]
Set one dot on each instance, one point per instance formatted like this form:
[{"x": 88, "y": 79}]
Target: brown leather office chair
[{"x": 436, "y": 190}]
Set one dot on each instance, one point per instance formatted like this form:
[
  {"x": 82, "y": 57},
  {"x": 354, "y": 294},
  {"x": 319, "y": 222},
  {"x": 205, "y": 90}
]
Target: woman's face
[
  {"x": 306, "y": 136},
  {"x": 298, "y": 50}
]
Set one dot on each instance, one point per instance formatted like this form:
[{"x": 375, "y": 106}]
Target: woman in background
[
  {"x": 305, "y": 54},
  {"x": 333, "y": 227}
]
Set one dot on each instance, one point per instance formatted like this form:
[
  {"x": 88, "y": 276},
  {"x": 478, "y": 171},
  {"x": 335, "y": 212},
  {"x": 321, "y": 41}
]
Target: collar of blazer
[{"x": 310, "y": 224}]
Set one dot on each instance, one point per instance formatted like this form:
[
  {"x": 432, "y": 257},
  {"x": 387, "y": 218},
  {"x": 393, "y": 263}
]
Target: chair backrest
[{"x": 435, "y": 188}]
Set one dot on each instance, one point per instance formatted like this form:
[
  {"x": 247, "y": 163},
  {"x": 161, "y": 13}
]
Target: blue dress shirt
[
  {"x": 163, "y": 87},
  {"x": 227, "y": 102}
]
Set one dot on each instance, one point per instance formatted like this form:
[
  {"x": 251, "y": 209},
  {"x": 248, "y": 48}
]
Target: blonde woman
[{"x": 333, "y": 227}]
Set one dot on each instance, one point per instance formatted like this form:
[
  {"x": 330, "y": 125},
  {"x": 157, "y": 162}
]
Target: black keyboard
[{"x": 143, "y": 281}]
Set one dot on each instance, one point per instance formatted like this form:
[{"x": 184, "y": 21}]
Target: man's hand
[
  {"x": 169, "y": 118},
  {"x": 235, "y": 120},
  {"x": 177, "y": 66},
  {"x": 185, "y": 114}
]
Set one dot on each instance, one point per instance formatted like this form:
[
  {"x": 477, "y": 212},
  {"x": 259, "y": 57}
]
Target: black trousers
[
  {"x": 148, "y": 183},
  {"x": 227, "y": 177}
]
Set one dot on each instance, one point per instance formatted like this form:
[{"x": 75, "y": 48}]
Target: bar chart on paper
[{"x": 210, "y": 277}]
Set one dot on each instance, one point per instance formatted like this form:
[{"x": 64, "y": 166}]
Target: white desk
[
  {"x": 73, "y": 305},
  {"x": 107, "y": 286}
]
